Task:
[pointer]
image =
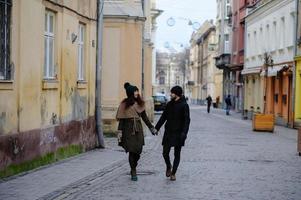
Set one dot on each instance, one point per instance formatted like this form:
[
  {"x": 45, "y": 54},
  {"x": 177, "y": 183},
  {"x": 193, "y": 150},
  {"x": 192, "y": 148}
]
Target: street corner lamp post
[{"x": 98, "y": 113}]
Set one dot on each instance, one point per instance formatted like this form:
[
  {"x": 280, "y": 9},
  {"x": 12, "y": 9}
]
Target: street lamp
[{"x": 194, "y": 24}]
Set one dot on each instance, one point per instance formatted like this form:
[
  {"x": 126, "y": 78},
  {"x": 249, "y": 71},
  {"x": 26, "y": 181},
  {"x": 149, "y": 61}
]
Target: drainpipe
[
  {"x": 294, "y": 68},
  {"x": 98, "y": 114},
  {"x": 143, "y": 53}
]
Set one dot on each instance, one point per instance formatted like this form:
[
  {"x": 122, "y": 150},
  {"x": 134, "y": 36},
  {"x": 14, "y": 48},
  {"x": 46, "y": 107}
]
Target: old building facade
[
  {"x": 297, "y": 108},
  {"x": 269, "y": 62},
  {"x": 206, "y": 78},
  {"x": 47, "y": 77},
  {"x": 172, "y": 69},
  {"x": 223, "y": 58},
  {"x": 127, "y": 54}
]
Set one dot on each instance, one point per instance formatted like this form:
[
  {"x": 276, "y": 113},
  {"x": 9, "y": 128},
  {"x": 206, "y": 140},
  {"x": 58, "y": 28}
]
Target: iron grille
[{"x": 5, "y": 21}]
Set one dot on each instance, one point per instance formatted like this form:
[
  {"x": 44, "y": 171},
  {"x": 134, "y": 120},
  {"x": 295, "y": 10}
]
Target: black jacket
[
  {"x": 177, "y": 118},
  {"x": 209, "y": 100},
  {"x": 228, "y": 101}
]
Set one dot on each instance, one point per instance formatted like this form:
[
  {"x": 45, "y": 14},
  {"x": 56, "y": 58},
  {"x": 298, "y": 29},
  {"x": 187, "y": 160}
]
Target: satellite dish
[{"x": 171, "y": 21}]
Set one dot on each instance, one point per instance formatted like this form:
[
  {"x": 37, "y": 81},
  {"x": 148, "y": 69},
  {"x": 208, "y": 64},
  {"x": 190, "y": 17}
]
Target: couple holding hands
[{"x": 130, "y": 131}]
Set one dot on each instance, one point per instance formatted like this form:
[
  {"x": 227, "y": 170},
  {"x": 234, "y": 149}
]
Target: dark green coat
[{"x": 133, "y": 142}]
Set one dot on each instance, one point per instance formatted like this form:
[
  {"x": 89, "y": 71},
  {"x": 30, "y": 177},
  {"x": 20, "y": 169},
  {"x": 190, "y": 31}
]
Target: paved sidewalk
[
  {"x": 40, "y": 182},
  {"x": 223, "y": 159},
  {"x": 282, "y": 131}
]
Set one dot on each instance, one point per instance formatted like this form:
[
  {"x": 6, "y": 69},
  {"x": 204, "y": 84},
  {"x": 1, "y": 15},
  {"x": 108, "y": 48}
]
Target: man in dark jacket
[
  {"x": 177, "y": 118},
  {"x": 209, "y": 101},
  {"x": 228, "y": 104}
]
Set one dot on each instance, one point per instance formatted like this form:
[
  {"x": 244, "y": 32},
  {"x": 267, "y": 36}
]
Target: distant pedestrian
[
  {"x": 209, "y": 101},
  {"x": 228, "y": 105},
  {"x": 217, "y": 101},
  {"x": 130, "y": 130},
  {"x": 177, "y": 118}
]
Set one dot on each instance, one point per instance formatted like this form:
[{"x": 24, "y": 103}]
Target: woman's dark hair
[{"x": 131, "y": 101}]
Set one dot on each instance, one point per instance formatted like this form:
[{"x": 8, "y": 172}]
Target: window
[
  {"x": 282, "y": 32},
  {"x": 5, "y": 17},
  {"x": 177, "y": 80},
  {"x": 162, "y": 80},
  {"x": 261, "y": 41},
  {"x": 267, "y": 42},
  {"x": 228, "y": 9},
  {"x": 275, "y": 33},
  {"x": 227, "y": 43},
  {"x": 81, "y": 52},
  {"x": 49, "y": 38},
  {"x": 256, "y": 43}
]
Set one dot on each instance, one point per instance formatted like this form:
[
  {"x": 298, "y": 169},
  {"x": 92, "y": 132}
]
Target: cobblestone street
[{"x": 223, "y": 159}]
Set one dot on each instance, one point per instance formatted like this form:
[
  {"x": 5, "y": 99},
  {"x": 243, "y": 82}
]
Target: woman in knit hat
[{"x": 130, "y": 130}]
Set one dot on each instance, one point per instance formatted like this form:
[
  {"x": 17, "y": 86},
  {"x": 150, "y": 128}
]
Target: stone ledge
[
  {"x": 6, "y": 85},
  {"x": 82, "y": 84},
  {"x": 50, "y": 84}
]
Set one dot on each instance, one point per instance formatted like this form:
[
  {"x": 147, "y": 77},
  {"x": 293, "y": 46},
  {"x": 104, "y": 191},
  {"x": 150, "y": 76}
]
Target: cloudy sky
[{"x": 181, "y": 11}]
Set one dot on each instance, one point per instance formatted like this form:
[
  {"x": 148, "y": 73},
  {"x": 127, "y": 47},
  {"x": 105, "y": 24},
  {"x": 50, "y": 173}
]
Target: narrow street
[{"x": 223, "y": 159}]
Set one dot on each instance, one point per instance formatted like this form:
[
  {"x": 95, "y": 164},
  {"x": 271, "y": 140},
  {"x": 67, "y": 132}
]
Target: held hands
[{"x": 154, "y": 131}]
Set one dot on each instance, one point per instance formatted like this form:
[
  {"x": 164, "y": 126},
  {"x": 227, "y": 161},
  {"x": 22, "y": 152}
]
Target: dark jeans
[
  {"x": 228, "y": 107},
  {"x": 176, "y": 162},
  {"x": 208, "y": 107},
  {"x": 133, "y": 160}
]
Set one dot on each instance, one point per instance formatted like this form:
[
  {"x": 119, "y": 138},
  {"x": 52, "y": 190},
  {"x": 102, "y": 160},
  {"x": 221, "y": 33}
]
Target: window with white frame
[
  {"x": 261, "y": 39},
  {"x": 227, "y": 43},
  {"x": 228, "y": 9},
  {"x": 49, "y": 45},
  {"x": 282, "y": 32},
  {"x": 275, "y": 33},
  {"x": 5, "y": 22},
  {"x": 81, "y": 52}
]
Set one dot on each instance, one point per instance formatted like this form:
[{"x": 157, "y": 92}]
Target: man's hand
[{"x": 154, "y": 131}]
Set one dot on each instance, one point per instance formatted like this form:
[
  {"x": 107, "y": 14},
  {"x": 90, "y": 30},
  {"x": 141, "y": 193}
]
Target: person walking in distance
[
  {"x": 177, "y": 118},
  {"x": 209, "y": 101},
  {"x": 130, "y": 130},
  {"x": 228, "y": 105}
]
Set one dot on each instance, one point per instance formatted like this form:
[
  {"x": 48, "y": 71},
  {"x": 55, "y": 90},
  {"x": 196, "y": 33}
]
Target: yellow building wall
[
  {"x": 122, "y": 62},
  {"x": 218, "y": 82},
  {"x": 31, "y": 102},
  {"x": 298, "y": 90}
]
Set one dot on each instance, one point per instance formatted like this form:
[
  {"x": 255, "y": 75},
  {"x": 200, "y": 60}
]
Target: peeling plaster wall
[{"x": 34, "y": 112}]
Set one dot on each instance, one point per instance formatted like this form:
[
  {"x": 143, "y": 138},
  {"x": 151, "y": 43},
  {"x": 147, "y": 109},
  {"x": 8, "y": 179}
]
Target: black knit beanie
[
  {"x": 130, "y": 89},
  {"x": 177, "y": 90}
]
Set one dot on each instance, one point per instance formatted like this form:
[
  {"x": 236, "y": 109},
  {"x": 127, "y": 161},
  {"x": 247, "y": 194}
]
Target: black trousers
[
  {"x": 133, "y": 160},
  {"x": 208, "y": 107},
  {"x": 177, "y": 154}
]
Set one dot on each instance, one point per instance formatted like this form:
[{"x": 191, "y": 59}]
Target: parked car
[{"x": 160, "y": 102}]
